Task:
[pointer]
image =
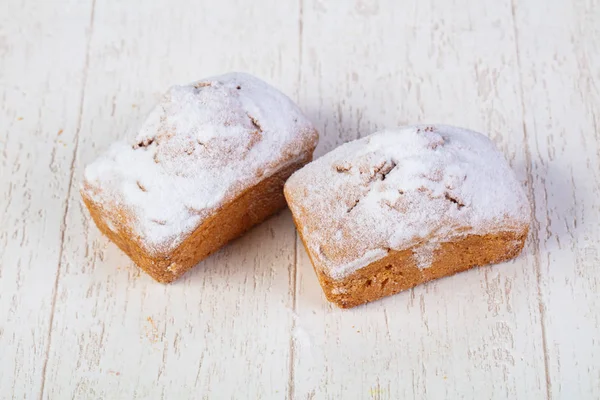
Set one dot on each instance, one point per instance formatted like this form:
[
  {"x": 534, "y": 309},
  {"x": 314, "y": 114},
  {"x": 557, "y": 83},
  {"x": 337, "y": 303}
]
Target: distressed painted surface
[
  {"x": 41, "y": 83},
  {"x": 559, "y": 58},
  {"x": 478, "y": 334},
  {"x": 79, "y": 320}
]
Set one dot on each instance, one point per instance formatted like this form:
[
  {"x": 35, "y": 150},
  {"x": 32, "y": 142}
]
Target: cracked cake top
[
  {"x": 200, "y": 147},
  {"x": 403, "y": 187}
]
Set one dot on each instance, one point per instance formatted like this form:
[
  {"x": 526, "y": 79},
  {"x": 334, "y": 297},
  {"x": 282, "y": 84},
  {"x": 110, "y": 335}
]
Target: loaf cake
[
  {"x": 401, "y": 207},
  {"x": 208, "y": 163}
]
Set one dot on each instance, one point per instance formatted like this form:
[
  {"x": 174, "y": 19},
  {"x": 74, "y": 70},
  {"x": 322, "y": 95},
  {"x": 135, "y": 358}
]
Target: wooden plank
[
  {"x": 559, "y": 53},
  {"x": 224, "y": 329},
  {"x": 40, "y": 96},
  {"x": 475, "y": 335},
  {"x": 251, "y": 321}
]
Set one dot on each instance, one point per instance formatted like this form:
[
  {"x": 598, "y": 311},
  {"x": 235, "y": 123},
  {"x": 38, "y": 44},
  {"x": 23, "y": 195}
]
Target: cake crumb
[{"x": 151, "y": 331}]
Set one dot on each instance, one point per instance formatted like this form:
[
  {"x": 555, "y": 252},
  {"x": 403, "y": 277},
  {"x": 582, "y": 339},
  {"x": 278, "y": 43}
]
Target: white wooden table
[{"x": 78, "y": 320}]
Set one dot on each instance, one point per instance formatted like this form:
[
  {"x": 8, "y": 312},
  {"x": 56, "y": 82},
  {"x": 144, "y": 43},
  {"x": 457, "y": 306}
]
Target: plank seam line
[
  {"x": 294, "y": 280},
  {"x": 292, "y": 350},
  {"x": 68, "y": 198},
  {"x": 535, "y": 231}
]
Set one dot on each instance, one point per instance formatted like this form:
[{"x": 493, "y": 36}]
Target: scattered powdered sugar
[
  {"x": 199, "y": 148},
  {"x": 402, "y": 187},
  {"x": 424, "y": 254},
  {"x": 339, "y": 290}
]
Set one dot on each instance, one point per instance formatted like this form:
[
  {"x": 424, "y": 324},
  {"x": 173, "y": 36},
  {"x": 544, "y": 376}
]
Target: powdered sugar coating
[
  {"x": 398, "y": 188},
  {"x": 200, "y": 147}
]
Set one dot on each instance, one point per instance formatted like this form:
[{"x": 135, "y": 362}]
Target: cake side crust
[
  {"x": 250, "y": 208},
  {"x": 399, "y": 270}
]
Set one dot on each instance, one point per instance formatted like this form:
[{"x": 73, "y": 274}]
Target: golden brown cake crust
[{"x": 250, "y": 208}]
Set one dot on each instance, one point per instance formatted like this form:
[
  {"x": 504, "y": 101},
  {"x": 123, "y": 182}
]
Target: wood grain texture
[
  {"x": 559, "y": 57},
  {"x": 117, "y": 333},
  {"x": 430, "y": 62},
  {"x": 78, "y": 320},
  {"x": 40, "y": 96}
]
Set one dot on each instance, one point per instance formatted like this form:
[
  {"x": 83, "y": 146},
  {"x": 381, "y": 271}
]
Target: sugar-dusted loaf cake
[
  {"x": 209, "y": 162},
  {"x": 401, "y": 207}
]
